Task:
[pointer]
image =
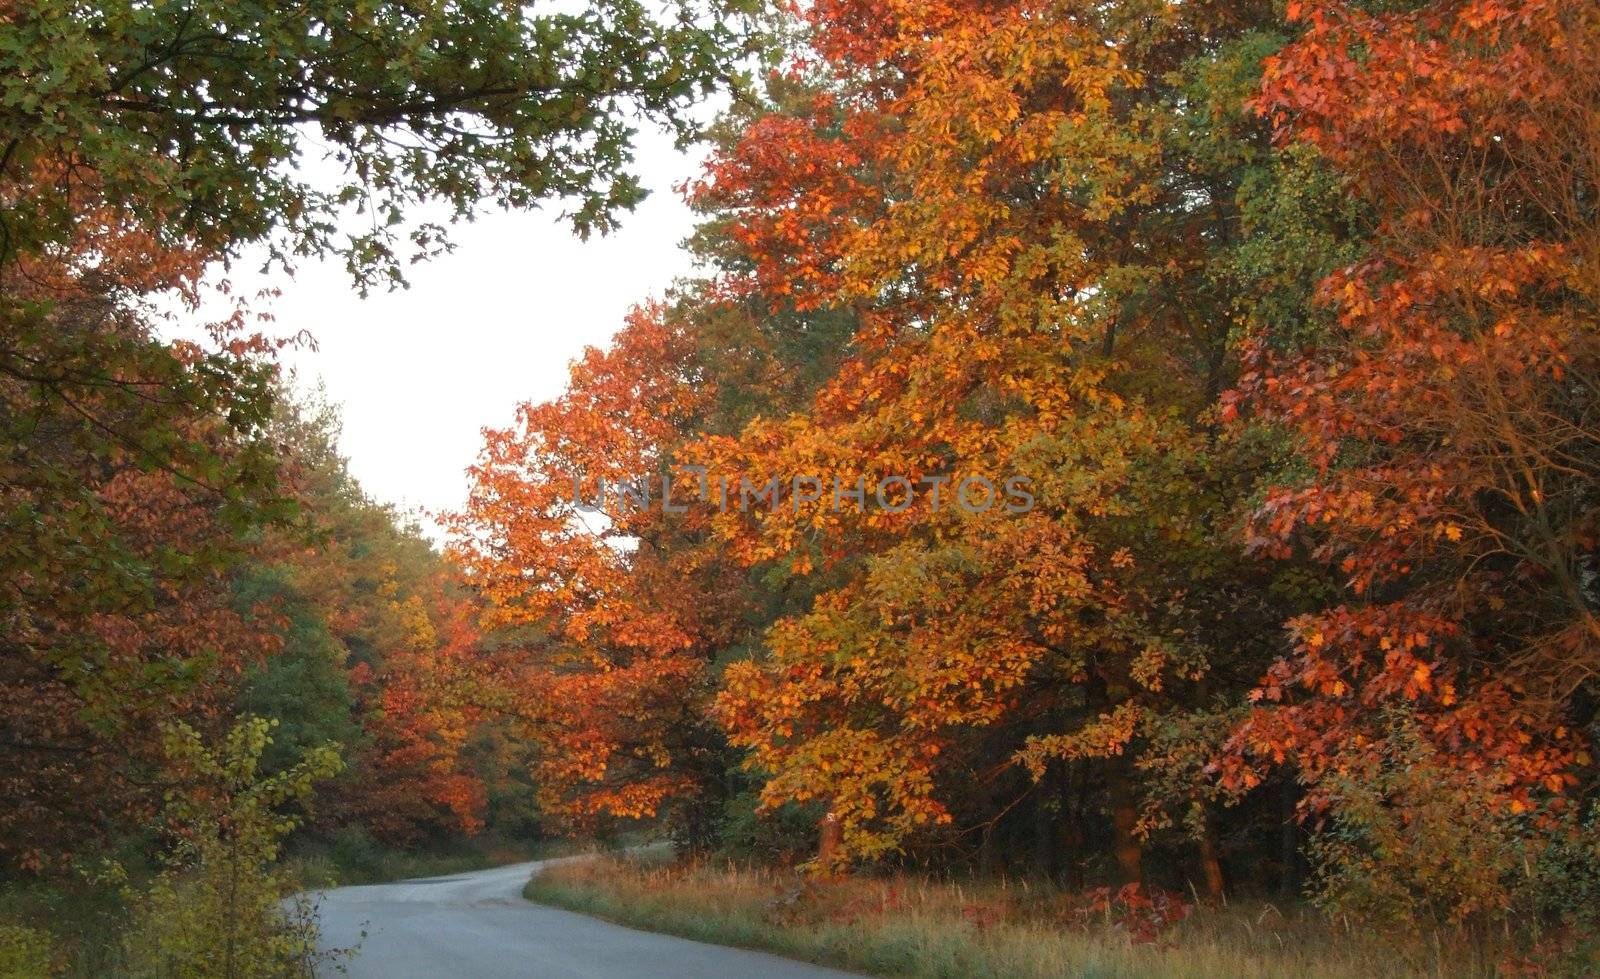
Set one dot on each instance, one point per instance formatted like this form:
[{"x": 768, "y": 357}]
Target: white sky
[{"x": 419, "y": 373}]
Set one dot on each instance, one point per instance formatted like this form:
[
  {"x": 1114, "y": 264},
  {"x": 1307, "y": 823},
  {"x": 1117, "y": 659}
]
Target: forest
[{"x": 1254, "y": 346}]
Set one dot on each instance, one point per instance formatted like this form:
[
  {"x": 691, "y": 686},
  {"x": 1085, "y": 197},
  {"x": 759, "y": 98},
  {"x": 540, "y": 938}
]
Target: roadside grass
[{"x": 903, "y": 926}]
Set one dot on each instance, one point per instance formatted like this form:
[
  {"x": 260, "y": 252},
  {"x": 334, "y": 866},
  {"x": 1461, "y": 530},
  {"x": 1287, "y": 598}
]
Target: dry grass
[{"x": 917, "y": 927}]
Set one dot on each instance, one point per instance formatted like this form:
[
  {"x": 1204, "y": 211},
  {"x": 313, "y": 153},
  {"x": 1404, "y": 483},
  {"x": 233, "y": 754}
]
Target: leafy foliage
[
  {"x": 219, "y": 911},
  {"x": 196, "y": 119},
  {"x": 1112, "y": 440},
  {"x": 1446, "y": 424},
  {"x": 1283, "y": 318},
  {"x": 145, "y": 141},
  {"x": 25, "y": 953}
]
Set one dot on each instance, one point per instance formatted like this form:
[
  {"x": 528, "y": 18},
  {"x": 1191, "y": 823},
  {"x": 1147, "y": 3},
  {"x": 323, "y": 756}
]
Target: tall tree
[
  {"x": 1445, "y": 415},
  {"x": 144, "y": 141},
  {"x": 379, "y": 648},
  {"x": 1030, "y": 207},
  {"x": 612, "y": 609}
]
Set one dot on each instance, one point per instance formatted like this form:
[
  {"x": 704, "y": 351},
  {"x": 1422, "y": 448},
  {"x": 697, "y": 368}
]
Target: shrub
[
  {"x": 220, "y": 908},
  {"x": 25, "y": 953},
  {"x": 356, "y": 854},
  {"x": 1418, "y": 842},
  {"x": 783, "y": 836},
  {"x": 1142, "y": 913}
]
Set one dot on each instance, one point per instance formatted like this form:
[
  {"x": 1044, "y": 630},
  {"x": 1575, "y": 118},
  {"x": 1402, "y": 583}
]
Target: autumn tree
[
  {"x": 966, "y": 243},
  {"x": 144, "y": 141},
  {"x": 1129, "y": 428},
  {"x": 379, "y": 644},
  {"x": 1030, "y": 209},
  {"x": 1444, "y": 417},
  {"x": 607, "y": 606},
  {"x": 130, "y": 467}
]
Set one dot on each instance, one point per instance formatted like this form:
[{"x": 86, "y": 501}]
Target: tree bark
[
  {"x": 1072, "y": 835},
  {"x": 1288, "y": 837},
  {"x": 831, "y": 833},
  {"x": 1045, "y": 851},
  {"x": 1211, "y": 863},
  {"x": 1126, "y": 845}
]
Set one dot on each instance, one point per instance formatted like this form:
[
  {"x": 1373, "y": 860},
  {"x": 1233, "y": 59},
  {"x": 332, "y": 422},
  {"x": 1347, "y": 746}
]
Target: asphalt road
[{"x": 478, "y": 926}]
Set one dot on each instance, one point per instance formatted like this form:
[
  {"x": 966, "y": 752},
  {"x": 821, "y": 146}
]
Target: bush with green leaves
[
  {"x": 221, "y": 909},
  {"x": 785, "y": 836},
  {"x": 25, "y": 953},
  {"x": 1422, "y": 844}
]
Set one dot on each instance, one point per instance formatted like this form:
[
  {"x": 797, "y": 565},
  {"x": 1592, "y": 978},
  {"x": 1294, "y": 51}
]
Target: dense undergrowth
[{"x": 955, "y": 928}]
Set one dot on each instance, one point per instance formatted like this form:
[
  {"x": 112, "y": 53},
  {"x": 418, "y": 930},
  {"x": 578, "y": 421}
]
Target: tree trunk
[
  {"x": 1046, "y": 809},
  {"x": 1288, "y": 837},
  {"x": 1072, "y": 835},
  {"x": 828, "y": 843},
  {"x": 986, "y": 854},
  {"x": 1126, "y": 845},
  {"x": 1211, "y": 863}
]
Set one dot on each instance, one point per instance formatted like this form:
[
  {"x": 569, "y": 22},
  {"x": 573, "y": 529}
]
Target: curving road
[{"x": 478, "y": 926}]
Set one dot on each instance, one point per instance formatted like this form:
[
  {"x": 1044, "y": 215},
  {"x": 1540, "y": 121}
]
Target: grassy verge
[{"x": 922, "y": 928}]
